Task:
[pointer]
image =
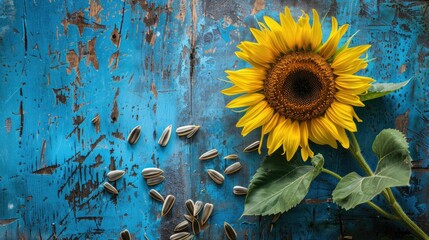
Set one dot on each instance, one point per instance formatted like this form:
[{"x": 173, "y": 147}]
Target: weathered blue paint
[{"x": 55, "y": 77}]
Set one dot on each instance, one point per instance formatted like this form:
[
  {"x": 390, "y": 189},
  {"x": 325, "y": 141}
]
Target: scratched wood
[{"x": 155, "y": 63}]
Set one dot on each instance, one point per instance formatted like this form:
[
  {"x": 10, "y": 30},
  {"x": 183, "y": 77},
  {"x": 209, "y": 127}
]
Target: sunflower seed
[
  {"x": 215, "y": 176},
  {"x": 155, "y": 181},
  {"x": 252, "y": 147},
  {"x": 185, "y": 130},
  {"x": 231, "y": 156},
  {"x": 181, "y": 226},
  {"x": 180, "y": 236},
  {"x": 96, "y": 119},
  {"x": 145, "y": 237},
  {"x": 207, "y": 211},
  {"x": 196, "y": 226},
  {"x": 233, "y": 168},
  {"x": 110, "y": 188},
  {"x": 194, "y": 130},
  {"x": 197, "y": 208},
  {"x": 190, "y": 206},
  {"x": 168, "y": 204},
  {"x": 156, "y": 195},
  {"x": 190, "y": 237},
  {"x": 209, "y": 154},
  {"x": 188, "y": 218},
  {"x": 239, "y": 190},
  {"x": 134, "y": 135},
  {"x": 152, "y": 172},
  {"x": 115, "y": 175},
  {"x": 125, "y": 235},
  {"x": 230, "y": 233},
  {"x": 165, "y": 136}
]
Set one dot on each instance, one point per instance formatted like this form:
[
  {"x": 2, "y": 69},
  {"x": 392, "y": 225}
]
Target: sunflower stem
[
  {"x": 387, "y": 193},
  {"x": 371, "y": 204}
]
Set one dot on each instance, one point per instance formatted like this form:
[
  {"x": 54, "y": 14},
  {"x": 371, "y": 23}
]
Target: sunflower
[{"x": 299, "y": 88}]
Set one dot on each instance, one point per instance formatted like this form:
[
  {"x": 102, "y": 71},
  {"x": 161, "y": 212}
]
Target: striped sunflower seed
[
  {"x": 209, "y": 154},
  {"x": 96, "y": 119},
  {"x": 152, "y": 172},
  {"x": 168, "y": 204},
  {"x": 207, "y": 212},
  {"x": 233, "y": 168},
  {"x": 181, "y": 226},
  {"x": 155, "y": 181},
  {"x": 156, "y": 195},
  {"x": 239, "y": 190},
  {"x": 252, "y": 147},
  {"x": 196, "y": 226},
  {"x": 134, "y": 135},
  {"x": 194, "y": 130},
  {"x": 111, "y": 189},
  {"x": 190, "y": 206},
  {"x": 165, "y": 136},
  {"x": 180, "y": 236},
  {"x": 231, "y": 157},
  {"x": 188, "y": 217},
  {"x": 216, "y": 176},
  {"x": 190, "y": 237},
  {"x": 230, "y": 233},
  {"x": 115, "y": 175},
  {"x": 184, "y": 130},
  {"x": 125, "y": 235},
  {"x": 197, "y": 208}
]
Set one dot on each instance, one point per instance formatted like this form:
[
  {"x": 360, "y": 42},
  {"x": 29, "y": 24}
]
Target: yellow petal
[
  {"x": 256, "y": 54},
  {"x": 343, "y": 139},
  {"x": 316, "y": 31},
  {"x": 246, "y": 100},
  {"x": 347, "y": 55},
  {"x": 264, "y": 37},
  {"x": 338, "y": 117},
  {"x": 234, "y": 90},
  {"x": 291, "y": 139},
  {"x": 350, "y": 99},
  {"x": 289, "y": 27},
  {"x": 306, "y": 152},
  {"x": 351, "y": 68},
  {"x": 356, "y": 89},
  {"x": 306, "y": 33},
  {"x": 249, "y": 79},
  {"x": 277, "y": 34},
  {"x": 252, "y": 113},
  {"x": 328, "y": 49},
  {"x": 263, "y": 117},
  {"x": 269, "y": 126},
  {"x": 323, "y": 131},
  {"x": 275, "y": 138}
]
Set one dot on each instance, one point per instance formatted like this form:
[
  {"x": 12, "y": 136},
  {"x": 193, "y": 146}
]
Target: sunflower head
[{"x": 299, "y": 88}]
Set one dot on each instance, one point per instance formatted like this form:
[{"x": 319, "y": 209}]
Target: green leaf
[
  {"x": 393, "y": 170},
  {"x": 279, "y": 185},
  {"x": 380, "y": 89}
]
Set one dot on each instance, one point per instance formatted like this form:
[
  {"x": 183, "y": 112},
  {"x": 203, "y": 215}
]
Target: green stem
[
  {"x": 356, "y": 152},
  {"x": 387, "y": 193},
  {"x": 371, "y": 204},
  {"x": 332, "y": 173}
]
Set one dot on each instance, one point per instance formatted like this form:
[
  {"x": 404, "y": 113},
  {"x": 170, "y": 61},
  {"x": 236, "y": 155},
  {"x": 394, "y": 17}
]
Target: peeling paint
[
  {"x": 78, "y": 19},
  {"x": 258, "y": 6},
  {"x": 46, "y": 170}
]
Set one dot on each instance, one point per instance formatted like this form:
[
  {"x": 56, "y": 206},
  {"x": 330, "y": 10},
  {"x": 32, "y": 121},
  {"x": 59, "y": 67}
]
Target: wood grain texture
[{"x": 155, "y": 63}]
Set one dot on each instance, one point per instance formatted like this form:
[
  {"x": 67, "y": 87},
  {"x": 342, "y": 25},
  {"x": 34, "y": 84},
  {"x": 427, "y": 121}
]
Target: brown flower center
[{"x": 300, "y": 86}]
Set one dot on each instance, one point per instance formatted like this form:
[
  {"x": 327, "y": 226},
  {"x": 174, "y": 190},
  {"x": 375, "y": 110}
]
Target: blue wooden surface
[{"x": 61, "y": 63}]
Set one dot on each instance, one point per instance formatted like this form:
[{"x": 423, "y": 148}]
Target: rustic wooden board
[{"x": 155, "y": 63}]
